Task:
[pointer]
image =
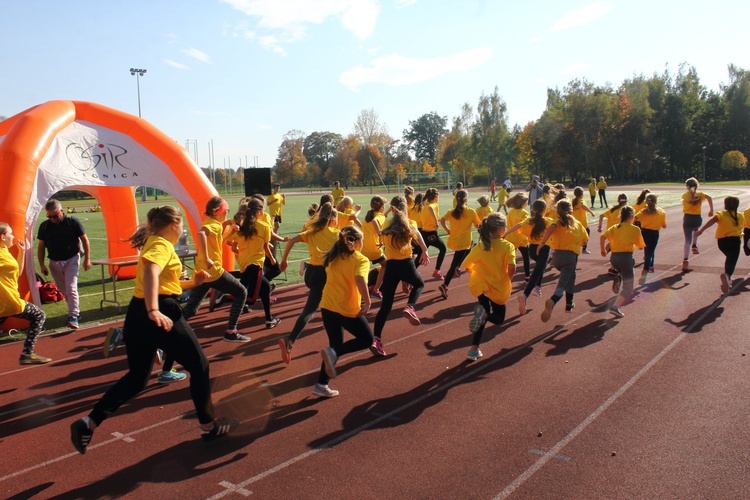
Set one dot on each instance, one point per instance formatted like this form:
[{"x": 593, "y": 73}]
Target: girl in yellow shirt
[
  {"x": 430, "y": 221},
  {"x": 692, "y": 201},
  {"x": 502, "y": 198},
  {"x": 623, "y": 238},
  {"x": 372, "y": 243},
  {"x": 652, "y": 219},
  {"x": 484, "y": 207},
  {"x": 592, "y": 191},
  {"x": 398, "y": 236},
  {"x": 612, "y": 214},
  {"x": 534, "y": 229},
  {"x": 320, "y": 237},
  {"x": 517, "y": 215},
  {"x": 253, "y": 246},
  {"x": 11, "y": 303},
  {"x": 566, "y": 236},
  {"x": 746, "y": 232},
  {"x": 491, "y": 265},
  {"x": 461, "y": 221},
  {"x": 348, "y": 212},
  {"x": 602, "y": 187},
  {"x": 337, "y": 193},
  {"x": 210, "y": 242},
  {"x": 581, "y": 213},
  {"x": 344, "y": 305},
  {"x": 729, "y": 226},
  {"x": 155, "y": 321},
  {"x": 640, "y": 202}
]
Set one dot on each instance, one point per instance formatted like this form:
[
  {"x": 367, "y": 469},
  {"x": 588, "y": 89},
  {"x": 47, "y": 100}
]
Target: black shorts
[
  {"x": 277, "y": 218},
  {"x": 378, "y": 260}
]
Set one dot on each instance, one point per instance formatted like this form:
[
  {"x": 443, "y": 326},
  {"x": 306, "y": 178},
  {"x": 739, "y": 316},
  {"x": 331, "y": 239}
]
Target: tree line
[{"x": 666, "y": 127}]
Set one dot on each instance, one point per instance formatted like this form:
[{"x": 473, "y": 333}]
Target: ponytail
[
  {"x": 248, "y": 229},
  {"x": 490, "y": 225},
  {"x": 461, "y": 197},
  {"x": 537, "y": 219},
  {"x": 344, "y": 246},
  {"x": 157, "y": 218},
  {"x": 376, "y": 204}
]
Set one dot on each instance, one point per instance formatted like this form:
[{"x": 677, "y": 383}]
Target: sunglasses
[{"x": 54, "y": 216}]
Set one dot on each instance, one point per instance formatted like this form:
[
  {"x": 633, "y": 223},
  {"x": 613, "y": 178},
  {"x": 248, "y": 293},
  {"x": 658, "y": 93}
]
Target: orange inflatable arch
[{"x": 104, "y": 152}]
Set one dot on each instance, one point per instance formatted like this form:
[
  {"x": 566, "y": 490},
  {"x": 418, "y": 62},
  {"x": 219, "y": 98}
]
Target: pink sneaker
[
  {"x": 411, "y": 315},
  {"x": 437, "y": 274},
  {"x": 377, "y": 348}
]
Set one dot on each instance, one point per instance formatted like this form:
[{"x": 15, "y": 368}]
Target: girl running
[
  {"x": 348, "y": 212},
  {"x": 320, "y": 237},
  {"x": 640, "y": 202},
  {"x": 344, "y": 305},
  {"x": 534, "y": 229},
  {"x": 692, "y": 201},
  {"x": 581, "y": 213},
  {"x": 728, "y": 237},
  {"x": 623, "y": 238},
  {"x": 502, "y": 198},
  {"x": 517, "y": 215},
  {"x": 491, "y": 265},
  {"x": 484, "y": 207},
  {"x": 652, "y": 219},
  {"x": 566, "y": 237},
  {"x": 253, "y": 247},
  {"x": 430, "y": 221},
  {"x": 210, "y": 242},
  {"x": 461, "y": 220},
  {"x": 398, "y": 235},
  {"x": 612, "y": 214},
  {"x": 372, "y": 244},
  {"x": 11, "y": 303},
  {"x": 155, "y": 321}
]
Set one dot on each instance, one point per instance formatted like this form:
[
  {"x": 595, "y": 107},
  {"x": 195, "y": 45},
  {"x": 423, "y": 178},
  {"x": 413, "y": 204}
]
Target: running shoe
[
  {"x": 569, "y": 307},
  {"x": 272, "y": 299},
  {"x": 644, "y": 277},
  {"x": 616, "y": 285},
  {"x": 376, "y": 294},
  {"x": 73, "y": 322},
  {"x": 695, "y": 250},
  {"x": 329, "y": 361},
  {"x": 80, "y": 434},
  {"x": 522, "y": 304},
  {"x": 725, "y": 284},
  {"x": 443, "y": 290},
  {"x": 112, "y": 341},
  {"x": 324, "y": 391},
  {"x": 411, "y": 315},
  {"x": 479, "y": 318},
  {"x": 222, "y": 426},
  {"x": 547, "y": 313},
  {"x": 437, "y": 274},
  {"x": 33, "y": 359},
  {"x": 171, "y": 376},
  {"x": 235, "y": 336},
  {"x": 586, "y": 251},
  {"x": 651, "y": 269},
  {"x": 474, "y": 354},
  {"x": 616, "y": 312},
  {"x": 377, "y": 348},
  {"x": 612, "y": 271},
  {"x": 685, "y": 265},
  {"x": 273, "y": 322},
  {"x": 286, "y": 351},
  {"x": 537, "y": 291}
]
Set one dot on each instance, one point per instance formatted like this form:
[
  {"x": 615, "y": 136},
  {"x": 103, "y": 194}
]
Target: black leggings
[
  {"x": 142, "y": 338},
  {"x": 315, "y": 279},
  {"x": 730, "y": 247},
  {"x": 395, "y": 272},
  {"x": 35, "y": 316},
  {"x": 431, "y": 239},
  {"x": 257, "y": 286},
  {"x": 495, "y": 314},
  {"x": 226, "y": 283},
  {"x": 335, "y": 324},
  {"x": 540, "y": 256},
  {"x": 525, "y": 256},
  {"x": 651, "y": 238},
  {"x": 602, "y": 198},
  {"x": 458, "y": 258},
  {"x": 745, "y": 240}
]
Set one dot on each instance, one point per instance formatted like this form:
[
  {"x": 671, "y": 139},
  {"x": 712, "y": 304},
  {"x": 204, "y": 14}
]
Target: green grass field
[{"x": 294, "y": 215}]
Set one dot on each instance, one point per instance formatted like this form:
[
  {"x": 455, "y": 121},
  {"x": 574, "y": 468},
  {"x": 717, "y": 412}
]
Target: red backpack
[{"x": 48, "y": 292}]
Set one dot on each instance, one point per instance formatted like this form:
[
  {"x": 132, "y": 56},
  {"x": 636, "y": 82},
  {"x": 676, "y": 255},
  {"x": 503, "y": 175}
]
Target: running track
[{"x": 585, "y": 406}]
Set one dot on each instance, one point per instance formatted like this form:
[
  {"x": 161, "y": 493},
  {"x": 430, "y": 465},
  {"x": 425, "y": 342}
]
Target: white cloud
[
  {"x": 286, "y": 21},
  {"x": 400, "y": 4},
  {"x": 582, "y": 16},
  {"x": 575, "y": 68},
  {"x": 397, "y": 70},
  {"x": 197, "y": 54},
  {"x": 175, "y": 64}
]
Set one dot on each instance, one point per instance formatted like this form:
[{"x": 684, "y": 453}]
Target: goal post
[{"x": 424, "y": 180}]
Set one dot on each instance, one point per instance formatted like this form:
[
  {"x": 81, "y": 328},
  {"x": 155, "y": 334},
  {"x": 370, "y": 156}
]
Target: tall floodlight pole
[
  {"x": 704, "y": 163},
  {"x": 138, "y": 73}
]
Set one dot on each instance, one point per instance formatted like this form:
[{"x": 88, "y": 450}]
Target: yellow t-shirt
[
  {"x": 483, "y": 212},
  {"x": 274, "y": 203},
  {"x": 746, "y": 215},
  {"x": 692, "y": 208},
  {"x": 319, "y": 243},
  {"x": 460, "y": 237},
  {"x": 161, "y": 252},
  {"x": 502, "y": 197},
  {"x": 340, "y": 293},
  {"x": 338, "y": 194},
  {"x": 214, "y": 249},
  {"x": 581, "y": 215},
  {"x": 489, "y": 270},
  {"x": 637, "y": 207},
  {"x": 516, "y": 216},
  {"x": 592, "y": 188},
  {"x": 345, "y": 218},
  {"x": 430, "y": 223},
  {"x": 726, "y": 227},
  {"x": 11, "y": 302},
  {"x": 612, "y": 216},
  {"x": 415, "y": 214},
  {"x": 623, "y": 237},
  {"x": 601, "y": 185},
  {"x": 371, "y": 242},
  {"x": 393, "y": 252},
  {"x": 568, "y": 238},
  {"x": 252, "y": 251},
  {"x": 654, "y": 221},
  {"x": 528, "y": 227}
]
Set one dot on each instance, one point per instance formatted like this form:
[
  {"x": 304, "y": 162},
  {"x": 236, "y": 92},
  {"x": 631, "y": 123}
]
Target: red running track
[{"x": 585, "y": 406}]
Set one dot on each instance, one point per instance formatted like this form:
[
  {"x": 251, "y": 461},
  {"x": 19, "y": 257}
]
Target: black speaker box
[{"x": 257, "y": 180}]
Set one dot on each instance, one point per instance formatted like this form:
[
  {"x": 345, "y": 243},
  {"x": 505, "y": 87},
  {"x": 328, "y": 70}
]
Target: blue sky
[{"x": 245, "y": 72}]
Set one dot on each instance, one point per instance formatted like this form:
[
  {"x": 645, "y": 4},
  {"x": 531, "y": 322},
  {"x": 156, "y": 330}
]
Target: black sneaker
[
  {"x": 222, "y": 427},
  {"x": 569, "y": 307},
  {"x": 80, "y": 435},
  {"x": 235, "y": 336}
]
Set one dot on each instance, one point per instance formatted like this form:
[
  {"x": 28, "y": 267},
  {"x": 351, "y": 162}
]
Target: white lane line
[{"x": 554, "y": 451}]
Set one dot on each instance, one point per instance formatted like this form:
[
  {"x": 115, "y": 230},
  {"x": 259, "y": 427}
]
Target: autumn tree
[
  {"x": 423, "y": 135},
  {"x": 319, "y": 148},
  {"x": 734, "y": 164},
  {"x": 291, "y": 164},
  {"x": 344, "y": 166}
]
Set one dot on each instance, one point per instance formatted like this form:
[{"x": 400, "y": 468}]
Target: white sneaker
[
  {"x": 537, "y": 291},
  {"x": 324, "y": 391}
]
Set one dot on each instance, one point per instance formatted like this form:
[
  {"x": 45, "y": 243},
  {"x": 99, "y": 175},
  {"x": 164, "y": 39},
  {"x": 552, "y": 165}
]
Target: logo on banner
[{"x": 100, "y": 161}]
